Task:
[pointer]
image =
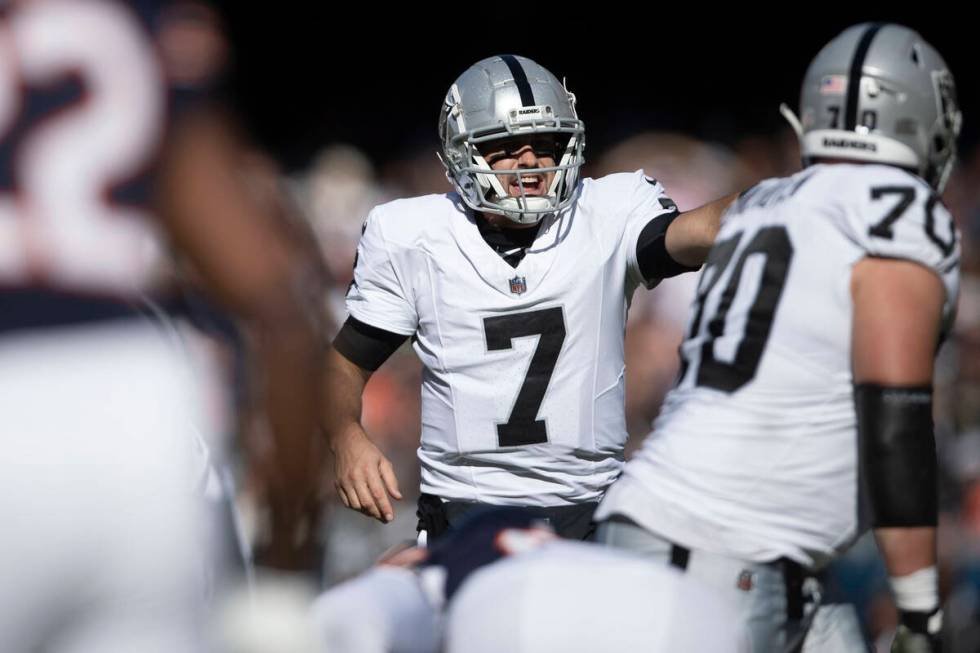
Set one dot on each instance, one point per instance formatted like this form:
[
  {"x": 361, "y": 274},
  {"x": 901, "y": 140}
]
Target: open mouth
[{"x": 533, "y": 184}]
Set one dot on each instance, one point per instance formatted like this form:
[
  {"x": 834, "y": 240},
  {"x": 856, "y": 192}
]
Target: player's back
[{"x": 754, "y": 453}]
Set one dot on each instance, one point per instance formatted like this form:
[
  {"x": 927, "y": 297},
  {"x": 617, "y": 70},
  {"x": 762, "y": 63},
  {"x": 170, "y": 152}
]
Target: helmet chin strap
[
  {"x": 524, "y": 209},
  {"x": 791, "y": 118},
  {"x": 797, "y": 127},
  {"x": 529, "y": 208},
  {"x": 944, "y": 173}
]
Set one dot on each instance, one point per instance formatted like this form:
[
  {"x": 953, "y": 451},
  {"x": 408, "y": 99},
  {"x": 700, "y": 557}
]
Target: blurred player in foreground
[
  {"x": 109, "y": 146},
  {"x": 500, "y": 580},
  {"x": 808, "y": 363}
]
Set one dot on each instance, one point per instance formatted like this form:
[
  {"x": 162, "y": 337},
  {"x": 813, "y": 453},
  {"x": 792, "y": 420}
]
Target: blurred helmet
[
  {"x": 484, "y": 535},
  {"x": 879, "y": 93},
  {"x": 504, "y": 97}
]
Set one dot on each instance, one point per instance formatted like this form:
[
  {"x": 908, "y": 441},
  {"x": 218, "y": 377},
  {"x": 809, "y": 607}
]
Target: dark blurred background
[{"x": 359, "y": 74}]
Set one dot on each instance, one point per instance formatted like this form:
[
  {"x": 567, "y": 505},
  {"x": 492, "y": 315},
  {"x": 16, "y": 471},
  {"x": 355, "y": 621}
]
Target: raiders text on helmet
[
  {"x": 879, "y": 93},
  {"x": 505, "y": 97}
]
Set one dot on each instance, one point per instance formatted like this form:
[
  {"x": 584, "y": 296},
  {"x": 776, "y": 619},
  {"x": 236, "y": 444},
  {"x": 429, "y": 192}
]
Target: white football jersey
[
  {"x": 754, "y": 454},
  {"x": 522, "y": 392}
]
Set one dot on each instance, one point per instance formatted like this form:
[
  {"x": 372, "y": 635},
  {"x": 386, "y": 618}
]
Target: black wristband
[{"x": 366, "y": 346}]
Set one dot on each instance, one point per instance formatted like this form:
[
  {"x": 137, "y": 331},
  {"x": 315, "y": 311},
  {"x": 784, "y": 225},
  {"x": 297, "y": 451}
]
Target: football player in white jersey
[
  {"x": 100, "y": 463},
  {"x": 514, "y": 290},
  {"x": 808, "y": 361}
]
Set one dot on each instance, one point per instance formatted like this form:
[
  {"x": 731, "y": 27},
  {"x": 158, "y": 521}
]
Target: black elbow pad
[
  {"x": 654, "y": 260},
  {"x": 366, "y": 346},
  {"x": 897, "y": 454}
]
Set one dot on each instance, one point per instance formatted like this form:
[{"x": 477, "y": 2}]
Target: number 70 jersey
[{"x": 755, "y": 453}]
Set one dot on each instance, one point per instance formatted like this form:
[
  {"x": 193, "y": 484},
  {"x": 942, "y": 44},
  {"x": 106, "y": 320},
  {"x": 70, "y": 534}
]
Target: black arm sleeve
[
  {"x": 366, "y": 346},
  {"x": 897, "y": 454},
  {"x": 651, "y": 251}
]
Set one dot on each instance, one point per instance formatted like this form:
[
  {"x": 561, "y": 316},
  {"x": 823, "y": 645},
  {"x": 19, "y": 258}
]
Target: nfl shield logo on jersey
[{"x": 518, "y": 285}]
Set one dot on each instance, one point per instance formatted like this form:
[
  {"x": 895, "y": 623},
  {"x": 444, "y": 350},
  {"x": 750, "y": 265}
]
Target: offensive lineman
[
  {"x": 100, "y": 464},
  {"x": 808, "y": 362},
  {"x": 514, "y": 290}
]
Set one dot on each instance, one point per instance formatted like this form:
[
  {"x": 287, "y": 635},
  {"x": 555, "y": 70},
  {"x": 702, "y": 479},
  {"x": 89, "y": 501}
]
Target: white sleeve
[
  {"x": 377, "y": 296},
  {"x": 648, "y": 201},
  {"x": 892, "y": 214}
]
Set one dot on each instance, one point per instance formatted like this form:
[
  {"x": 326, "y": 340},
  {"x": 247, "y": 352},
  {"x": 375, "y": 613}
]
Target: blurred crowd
[{"x": 342, "y": 185}]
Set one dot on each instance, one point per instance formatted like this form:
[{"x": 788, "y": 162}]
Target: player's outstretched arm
[
  {"x": 690, "y": 237},
  {"x": 897, "y": 315},
  {"x": 364, "y": 476}
]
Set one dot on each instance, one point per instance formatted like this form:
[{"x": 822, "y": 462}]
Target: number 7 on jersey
[{"x": 523, "y": 427}]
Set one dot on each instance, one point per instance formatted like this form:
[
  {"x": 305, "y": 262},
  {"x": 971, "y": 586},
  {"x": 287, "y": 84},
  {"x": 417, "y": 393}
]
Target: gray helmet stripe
[
  {"x": 520, "y": 78},
  {"x": 854, "y": 78}
]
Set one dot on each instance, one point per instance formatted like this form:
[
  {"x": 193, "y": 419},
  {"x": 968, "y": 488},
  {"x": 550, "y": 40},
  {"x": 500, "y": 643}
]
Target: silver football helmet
[
  {"x": 879, "y": 93},
  {"x": 501, "y": 98}
]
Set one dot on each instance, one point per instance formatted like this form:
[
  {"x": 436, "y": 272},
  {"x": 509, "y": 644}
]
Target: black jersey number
[
  {"x": 906, "y": 195},
  {"x": 771, "y": 243},
  {"x": 523, "y": 427}
]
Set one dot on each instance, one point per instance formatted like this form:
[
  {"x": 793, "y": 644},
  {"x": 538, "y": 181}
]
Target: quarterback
[
  {"x": 514, "y": 290},
  {"x": 803, "y": 412}
]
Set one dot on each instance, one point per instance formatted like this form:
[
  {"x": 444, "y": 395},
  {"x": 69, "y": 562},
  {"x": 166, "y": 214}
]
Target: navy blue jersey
[
  {"x": 89, "y": 90},
  {"x": 479, "y": 539}
]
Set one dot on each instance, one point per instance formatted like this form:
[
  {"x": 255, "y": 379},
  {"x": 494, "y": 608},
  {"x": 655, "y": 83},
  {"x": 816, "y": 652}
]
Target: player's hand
[
  {"x": 364, "y": 476},
  {"x": 918, "y": 632}
]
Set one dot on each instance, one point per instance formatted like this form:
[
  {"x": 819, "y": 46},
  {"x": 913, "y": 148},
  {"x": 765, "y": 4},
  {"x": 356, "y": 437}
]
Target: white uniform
[
  {"x": 569, "y": 596},
  {"x": 99, "y": 454},
  {"x": 754, "y": 455},
  {"x": 522, "y": 393}
]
